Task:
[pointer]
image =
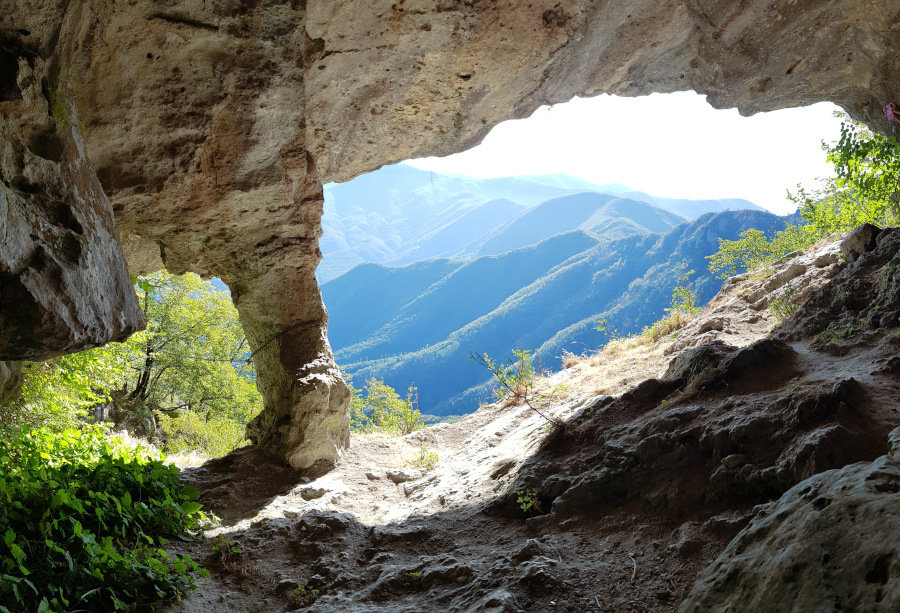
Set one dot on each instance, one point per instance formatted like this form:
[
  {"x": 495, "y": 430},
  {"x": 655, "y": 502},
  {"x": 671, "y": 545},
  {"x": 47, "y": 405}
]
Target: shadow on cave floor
[
  {"x": 616, "y": 511},
  {"x": 242, "y": 483}
]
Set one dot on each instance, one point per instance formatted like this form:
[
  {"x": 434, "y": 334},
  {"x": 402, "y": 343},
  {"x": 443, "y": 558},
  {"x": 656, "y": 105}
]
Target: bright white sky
[{"x": 673, "y": 145}]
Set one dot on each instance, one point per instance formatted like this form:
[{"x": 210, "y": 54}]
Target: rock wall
[
  {"x": 212, "y": 124},
  {"x": 63, "y": 283}
]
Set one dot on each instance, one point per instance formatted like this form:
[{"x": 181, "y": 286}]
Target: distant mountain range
[
  {"x": 400, "y": 214},
  {"x": 417, "y": 324}
]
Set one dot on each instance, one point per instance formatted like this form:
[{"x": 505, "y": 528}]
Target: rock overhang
[{"x": 211, "y": 127}]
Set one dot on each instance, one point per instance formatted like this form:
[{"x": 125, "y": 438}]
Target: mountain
[
  {"x": 377, "y": 311},
  {"x": 519, "y": 299},
  {"x": 400, "y": 214},
  {"x": 602, "y": 214}
]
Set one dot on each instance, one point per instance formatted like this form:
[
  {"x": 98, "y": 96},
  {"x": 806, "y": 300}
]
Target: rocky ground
[{"x": 732, "y": 467}]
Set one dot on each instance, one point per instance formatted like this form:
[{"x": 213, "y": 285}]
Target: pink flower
[{"x": 890, "y": 111}]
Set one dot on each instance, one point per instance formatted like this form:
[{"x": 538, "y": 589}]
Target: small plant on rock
[
  {"x": 515, "y": 380},
  {"x": 426, "y": 459},
  {"x": 413, "y": 580},
  {"x": 227, "y": 557},
  {"x": 528, "y": 501},
  {"x": 304, "y": 596},
  {"x": 785, "y": 305}
]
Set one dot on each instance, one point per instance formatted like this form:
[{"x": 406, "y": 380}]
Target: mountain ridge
[{"x": 399, "y": 214}]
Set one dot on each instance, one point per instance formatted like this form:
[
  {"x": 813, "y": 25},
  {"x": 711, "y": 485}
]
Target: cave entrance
[{"x": 553, "y": 223}]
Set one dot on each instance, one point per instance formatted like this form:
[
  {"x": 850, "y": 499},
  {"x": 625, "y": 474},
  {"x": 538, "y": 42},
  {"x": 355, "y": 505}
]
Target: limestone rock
[
  {"x": 860, "y": 240},
  {"x": 830, "y": 543},
  {"x": 402, "y": 475},
  {"x": 10, "y": 381},
  {"x": 63, "y": 282},
  {"x": 212, "y": 126}
]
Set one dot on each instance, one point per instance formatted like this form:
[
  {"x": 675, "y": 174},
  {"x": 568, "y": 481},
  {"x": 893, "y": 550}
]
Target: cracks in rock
[{"x": 178, "y": 18}]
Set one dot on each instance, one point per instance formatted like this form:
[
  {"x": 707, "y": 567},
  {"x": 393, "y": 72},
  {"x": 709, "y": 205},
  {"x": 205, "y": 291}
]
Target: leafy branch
[{"x": 515, "y": 379}]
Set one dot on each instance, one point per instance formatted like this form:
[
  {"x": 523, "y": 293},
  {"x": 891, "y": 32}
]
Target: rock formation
[
  {"x": 771, "y": 460},
  {"x": 211, "y": 125}
]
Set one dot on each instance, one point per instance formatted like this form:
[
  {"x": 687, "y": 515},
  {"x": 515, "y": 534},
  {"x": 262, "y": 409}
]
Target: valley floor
[{"x": 669, "y": 452}]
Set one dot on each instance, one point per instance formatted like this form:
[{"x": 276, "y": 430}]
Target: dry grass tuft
[
  {"x": 187, "y": 459},
  {"x": 674, "y": 321}
]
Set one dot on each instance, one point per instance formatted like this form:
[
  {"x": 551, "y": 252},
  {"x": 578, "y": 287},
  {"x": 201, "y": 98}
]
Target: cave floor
[{"x": 376, "y": 533}]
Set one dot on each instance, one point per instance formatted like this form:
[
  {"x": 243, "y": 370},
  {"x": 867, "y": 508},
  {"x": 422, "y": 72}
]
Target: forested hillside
[
  {"x": 417, "y": 324},
  {"x": 400, "y": 214}
]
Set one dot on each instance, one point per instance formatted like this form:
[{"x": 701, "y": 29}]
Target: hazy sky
[{"x": 672, "y": 145}]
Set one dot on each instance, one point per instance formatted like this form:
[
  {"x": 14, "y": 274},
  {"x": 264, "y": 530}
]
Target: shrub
[
  {"x": 212, "y": 435},
  {"x": 382, "y": 409},
  {"x": 516, "y": 380},
  {"x": 426, "y": 459},
  {"x": 865, "y": 190},
  {"x": 82, "y": 517}
]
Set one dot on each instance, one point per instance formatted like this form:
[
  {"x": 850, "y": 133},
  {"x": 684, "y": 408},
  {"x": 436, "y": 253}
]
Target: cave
[{"x": 196, "y": 136}]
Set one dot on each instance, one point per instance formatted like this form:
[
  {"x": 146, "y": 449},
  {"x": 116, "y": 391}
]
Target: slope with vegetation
[{"x": 499, "y": 304}]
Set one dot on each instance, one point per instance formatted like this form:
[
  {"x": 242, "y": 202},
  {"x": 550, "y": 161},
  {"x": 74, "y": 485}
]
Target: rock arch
[{"x": 212, "y": 124}]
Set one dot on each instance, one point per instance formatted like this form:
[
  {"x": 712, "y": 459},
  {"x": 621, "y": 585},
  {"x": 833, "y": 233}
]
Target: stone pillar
[
  {"x": 195, "y": 119},
  {"x": 306, "y": 417}
]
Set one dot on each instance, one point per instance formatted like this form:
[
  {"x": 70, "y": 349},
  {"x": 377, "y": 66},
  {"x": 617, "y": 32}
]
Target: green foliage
[
  {"x": 612, "y": 334},
  {"x": 830, "y": 336},
  {"x": 684, "y": 307},
  {"x": 515, "y": 380},
  {"x": 191, "y": 363},
  {"x": 426, "y": 459},
  {"x": 214, "y": 435},
  {"x": 304, "y": 596},
  {"x": 82, "y": 517},
  {"x": 528, "y": 502},
  {"x": 785, "y": 304},
  {"x": 227, "y": 557},
  {"x": 866, "y": 189},
  {"x": 684, "y": 298},
  {"x": 57, "y": 393},
  {"x": 382, "y": 409},
  {"x": 753, "y": 250},
  {"x": 193, "y": 354}
]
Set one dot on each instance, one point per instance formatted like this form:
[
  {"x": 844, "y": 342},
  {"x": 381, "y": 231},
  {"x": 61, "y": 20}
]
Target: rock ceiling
[{"x": 205, "y": 129}]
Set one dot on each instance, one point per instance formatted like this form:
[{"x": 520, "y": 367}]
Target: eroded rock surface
[
  {"x": 63, "y": 282},
  {"x": 829, "y": 544},
  {"x": 212, "y": 125},
  {"x": 768, "y": 442}
]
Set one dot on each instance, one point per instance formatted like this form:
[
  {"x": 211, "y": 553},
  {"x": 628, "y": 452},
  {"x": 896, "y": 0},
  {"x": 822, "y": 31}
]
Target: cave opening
[{"x": 530, "y": 239}]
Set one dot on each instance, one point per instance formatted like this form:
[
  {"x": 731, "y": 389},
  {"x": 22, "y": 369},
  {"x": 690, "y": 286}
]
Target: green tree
[
  {"x": 57, "y": 392},
  {"x": 190, "y": 368},
  {"x": 383, "y": 410},
  {"x": 193, "y": 354},
  {"x": 866, "y": 189}
]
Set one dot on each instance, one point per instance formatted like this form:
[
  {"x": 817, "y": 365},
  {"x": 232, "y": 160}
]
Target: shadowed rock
[{"x": 212, "y": 126}]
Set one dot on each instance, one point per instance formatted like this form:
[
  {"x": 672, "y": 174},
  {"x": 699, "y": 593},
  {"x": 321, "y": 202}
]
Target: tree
[
  {"x": 382, "y": 409},
  {"x": 191, "y": 369},
  {"x": 866, "y": 189},
  {"x": 193, "y": 354}
]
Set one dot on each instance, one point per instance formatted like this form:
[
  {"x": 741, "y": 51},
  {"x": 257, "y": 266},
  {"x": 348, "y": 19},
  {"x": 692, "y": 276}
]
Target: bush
[
  {"x": 82, "y": 518},
  {"x": 213, "y": 435},
  {"x": 515, "y": 380},
  {"x": 865, "y": 190},
  {"x": 382, "y": 409}
]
